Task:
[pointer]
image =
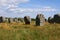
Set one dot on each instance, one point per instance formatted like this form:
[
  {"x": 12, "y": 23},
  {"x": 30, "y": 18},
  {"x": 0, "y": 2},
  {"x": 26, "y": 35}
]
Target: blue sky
[{"x": 21, "y": 8}]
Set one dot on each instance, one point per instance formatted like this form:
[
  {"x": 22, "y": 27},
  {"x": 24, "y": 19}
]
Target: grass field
[{"x": 20, "y": 31}]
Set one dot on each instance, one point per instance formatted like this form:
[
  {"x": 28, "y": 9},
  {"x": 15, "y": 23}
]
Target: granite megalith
[
  {"x": 40, "y": 20},
  {"x": 27, "y": 20}
]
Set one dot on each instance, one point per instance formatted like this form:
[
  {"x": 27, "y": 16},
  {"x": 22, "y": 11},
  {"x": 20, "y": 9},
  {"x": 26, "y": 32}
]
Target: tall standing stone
[
  {"x": 27, "y": 20},
  {"x": 40, "y": 20}
]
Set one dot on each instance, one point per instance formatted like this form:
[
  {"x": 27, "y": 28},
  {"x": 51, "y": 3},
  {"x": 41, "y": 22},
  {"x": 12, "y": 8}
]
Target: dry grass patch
[{"x": 20, "y": 31}]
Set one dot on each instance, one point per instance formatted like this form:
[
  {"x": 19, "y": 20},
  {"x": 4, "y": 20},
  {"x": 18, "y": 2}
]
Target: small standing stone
[
  {"x": 27, "y": 20},
  {"x": 50, "y": 20},
  {"x": 1, "y": 19},
  {"x": 10, "y": 20}
]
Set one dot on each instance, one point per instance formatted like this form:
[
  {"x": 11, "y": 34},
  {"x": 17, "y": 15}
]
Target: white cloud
[
  {"x": 48, "y": 8},
  {"x": 9, "y": 2},
  {"x": 7, "y": 6},
  {"x": 30, "y": 10}
]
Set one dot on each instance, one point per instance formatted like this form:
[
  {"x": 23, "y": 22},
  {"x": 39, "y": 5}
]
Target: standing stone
[
  {"x": 15, "y": 19},
  {"x": 6, "y": 19},
  {"x": 1, "y": 19},
  {"x": 40, "y": 20},
  {"x": 20, "y": 19},
  {"x": 57, "y": 18},
  {"x": 50, "y": 20},
  {"x": 27, "y": 20},
  {"x": 46, "y": 20},
  {"x": 10, "y": 20}
]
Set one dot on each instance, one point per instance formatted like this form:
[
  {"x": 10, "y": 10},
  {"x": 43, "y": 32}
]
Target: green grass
[{"x": 30, "y": 32}]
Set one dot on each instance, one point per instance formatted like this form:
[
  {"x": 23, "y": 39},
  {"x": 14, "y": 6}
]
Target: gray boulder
[
  {"x": 27, "y": 20},
  {"x": 57, "y": 18},
  {"x": 50, "y": 20},
  {"x": 15, "y": 19},
  {"x": 10, "y": 20},
  {"x": 21, "y": 19},
  {"x": 6, "y": 19},
  {"x": 46, "y": 20},
  {"x": 2, "y": 19},
  {"x": 40, "y": 20}
]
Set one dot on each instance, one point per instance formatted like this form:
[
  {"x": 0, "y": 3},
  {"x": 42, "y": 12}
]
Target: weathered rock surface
[
  {"x": 40, "y": 19},
  {"x": 57, "y": 18},
  {"x": 27, "y": 20}
]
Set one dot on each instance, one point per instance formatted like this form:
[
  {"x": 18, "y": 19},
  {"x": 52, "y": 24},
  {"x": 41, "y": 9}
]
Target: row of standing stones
[
  {"x": 9, "y": 20},
  {"x": 39, "y": 21}
]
